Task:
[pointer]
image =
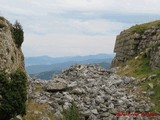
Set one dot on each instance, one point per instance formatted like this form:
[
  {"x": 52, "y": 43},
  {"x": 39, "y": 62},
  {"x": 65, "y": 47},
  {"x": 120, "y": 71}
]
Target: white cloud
[
  {"x": 43, "y": 6},
  {"x": 64, "y": 45},
  {"x": 100, "y": 26},
  {"x": 130, "y": 6},
  {"x": 70, "y": 27}
]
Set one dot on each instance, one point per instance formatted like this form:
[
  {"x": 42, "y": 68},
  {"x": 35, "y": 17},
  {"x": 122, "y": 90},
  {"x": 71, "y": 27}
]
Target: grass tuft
[
  {"x": 37, "y": 111},
  {"x": 142, "y": 27},
  {"x": 72, "y": 113}
]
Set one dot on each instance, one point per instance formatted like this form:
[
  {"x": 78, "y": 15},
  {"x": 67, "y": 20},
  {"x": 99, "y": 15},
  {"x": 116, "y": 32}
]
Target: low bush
[{"x": 13, "y": 92}]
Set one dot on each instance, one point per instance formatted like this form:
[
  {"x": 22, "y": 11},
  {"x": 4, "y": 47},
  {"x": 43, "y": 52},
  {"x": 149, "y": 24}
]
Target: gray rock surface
[
  {"x": 129, "y": 44},
  {"x": 98, "y": 94},
  {"x": 11, "y": 57},
  {"x": 53, "y": 86}
]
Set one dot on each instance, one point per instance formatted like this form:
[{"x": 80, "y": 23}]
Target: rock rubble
[{"x": 98, "y": 93}]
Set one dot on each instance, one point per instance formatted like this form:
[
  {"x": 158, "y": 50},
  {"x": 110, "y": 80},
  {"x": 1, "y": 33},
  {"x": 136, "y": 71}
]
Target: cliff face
[
  {"x": 13, "y": 79},
  {"x": 11, "y": 57},
  {"x": 139, "y": 39}
]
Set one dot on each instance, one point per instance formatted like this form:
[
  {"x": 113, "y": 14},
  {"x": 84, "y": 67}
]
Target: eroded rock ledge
[{"x": 139, "y": 39}]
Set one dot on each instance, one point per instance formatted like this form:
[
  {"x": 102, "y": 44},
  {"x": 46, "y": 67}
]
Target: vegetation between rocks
[
  {"x": 72, "y": 113},
  {"x": 139, "y": 68},
  {"x": 13, "y": 94},
  {"x": 142, "y": 27},
  {"x": 37, "y": 111}
]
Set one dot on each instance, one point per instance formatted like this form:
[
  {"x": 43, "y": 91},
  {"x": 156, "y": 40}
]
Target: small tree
[{"x": 18, "y": 34}]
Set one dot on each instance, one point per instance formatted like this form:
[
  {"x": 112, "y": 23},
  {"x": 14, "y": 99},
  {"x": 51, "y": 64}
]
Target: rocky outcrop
[
  {"x": 11, "y": 57},
  {"x": 13, "y": 79},
  {"x": 100, "y": 94},
  {"x": 139, "y": 39}
]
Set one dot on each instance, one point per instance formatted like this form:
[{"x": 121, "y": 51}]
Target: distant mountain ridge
[
  {"x": 46, "y": 66},
  {"x": 46, "y": 60}
]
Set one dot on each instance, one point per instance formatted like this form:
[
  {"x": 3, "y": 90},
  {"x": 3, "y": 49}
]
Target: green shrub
[
  {"x": 18, "y": 34},
  {"x": 72, "y": 113},
  {"x": 139, "y": 28},
  {"x": 13, "y": 91}
]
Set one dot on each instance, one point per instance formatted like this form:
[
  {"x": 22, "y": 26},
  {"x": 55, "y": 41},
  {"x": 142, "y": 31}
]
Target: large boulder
[{"x": 56, "y": 85}]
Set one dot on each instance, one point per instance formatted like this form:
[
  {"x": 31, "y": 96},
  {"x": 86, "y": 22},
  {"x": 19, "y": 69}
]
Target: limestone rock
[
  {"x": 94, "y": 111},
  {"x": 11, "y": 57},
  {"x": 131, "y": 43},
  {"x": 150, "y": 85},
  {"x": 98, "y": 93},
  {"x": 11, "y": 60},
  {"x": 54, "y": 87}
]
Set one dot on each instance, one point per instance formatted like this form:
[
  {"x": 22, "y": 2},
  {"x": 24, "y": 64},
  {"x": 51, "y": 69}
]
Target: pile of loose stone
[{"x": 98, "y": 93}]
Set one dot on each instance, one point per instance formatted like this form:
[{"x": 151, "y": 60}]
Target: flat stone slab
[{"x": 55, "y": 87}]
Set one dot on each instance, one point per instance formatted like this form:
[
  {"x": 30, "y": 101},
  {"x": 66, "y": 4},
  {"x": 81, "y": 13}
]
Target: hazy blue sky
[{"x": 76, "y": 27}]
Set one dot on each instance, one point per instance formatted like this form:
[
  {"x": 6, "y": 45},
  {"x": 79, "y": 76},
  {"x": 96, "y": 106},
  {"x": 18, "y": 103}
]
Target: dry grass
[
  {"x": 37, "y": 112},
  {"x": 139, "y": 68},
  {"x": 142, "y": 27},
  {"x": 38, "y": 88}
]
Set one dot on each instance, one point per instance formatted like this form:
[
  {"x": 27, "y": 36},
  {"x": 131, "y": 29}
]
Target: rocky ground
[{"x": 99, "y": 94}]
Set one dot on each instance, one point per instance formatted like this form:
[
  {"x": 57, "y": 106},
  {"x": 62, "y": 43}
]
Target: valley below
[{"x": 45, "y": 67}]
